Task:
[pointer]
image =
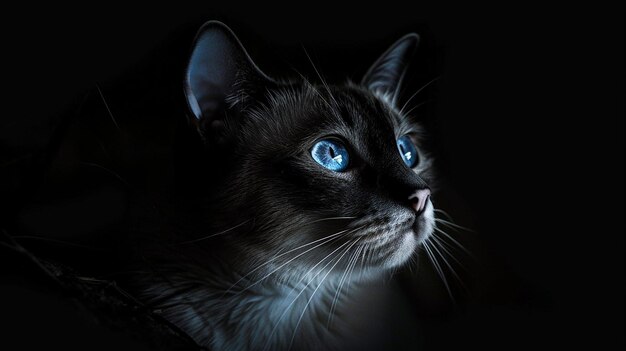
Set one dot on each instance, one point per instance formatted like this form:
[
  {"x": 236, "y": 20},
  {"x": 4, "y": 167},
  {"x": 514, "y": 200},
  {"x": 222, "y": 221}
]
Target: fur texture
[{"x": 293, "y": 252}]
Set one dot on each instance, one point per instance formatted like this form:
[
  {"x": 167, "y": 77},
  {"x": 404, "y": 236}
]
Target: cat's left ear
[
  {"x": 220, "y": 77},
  {"x": 385, "y": 76}
]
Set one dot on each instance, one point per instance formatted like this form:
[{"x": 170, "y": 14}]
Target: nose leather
[{"x": 419, "y": 199}]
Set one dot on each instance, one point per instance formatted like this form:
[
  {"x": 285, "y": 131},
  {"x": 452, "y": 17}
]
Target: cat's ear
[
  {"x": 220, "y": 75},
  {"x": 385, "y": 76}
]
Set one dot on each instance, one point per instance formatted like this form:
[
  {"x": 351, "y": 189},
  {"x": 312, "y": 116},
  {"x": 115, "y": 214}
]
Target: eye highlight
[
  {"x": 408, "y": 152},
  {"x": 331, "y": 154}
]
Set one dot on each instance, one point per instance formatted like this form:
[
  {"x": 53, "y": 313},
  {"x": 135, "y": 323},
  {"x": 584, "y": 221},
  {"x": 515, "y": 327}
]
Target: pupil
[
  {"x": 402, "y": 149},
  {"x": 332, "y": 152}
]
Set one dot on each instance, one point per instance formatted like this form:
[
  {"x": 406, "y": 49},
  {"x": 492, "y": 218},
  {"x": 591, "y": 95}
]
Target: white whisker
[
  {"x": 417, "y": 92},
  {"x": 438, "y": 269},
  {"x": 303, "y": 289},
  {"x": 435, "y": 248},
  {"x": 324, "y": 240},
  {"x": 214, "y": 235},
  {"x": 320, "y": 76},
  {"x": 363, "y": 258},
  {"x": 456, "y": 242},
  {"x": 107, "y": 107},
  {"x": 292, "y": 259},
  {"x": 442, "y": 244},
  {"x": 453, "y": 225},
  {"x": 330, "y": 218},
  {"x": 444, "y": 213},
  {"x": 415, "y": 107},
  {"x": 314, "y": 89},
  {"x": 351, "y": 263},
  {"x": 115, "y": 174},
  {"x": 314, "y": 291}
]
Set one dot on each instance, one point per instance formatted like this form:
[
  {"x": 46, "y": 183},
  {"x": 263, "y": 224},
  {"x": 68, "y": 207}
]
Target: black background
[{"x": 529, "y": 127}]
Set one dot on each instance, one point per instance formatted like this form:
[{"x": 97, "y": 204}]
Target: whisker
[
  {"x": 314, "y": 291},
  {"x": 107, "y": 106},
  {"x": 333, "y": 237},
  {"x": 456, "y": 242},
  {"x": 443, "y": 244},
  {"x": 454, "y": 273},
  {"x": 320, "y": 76},
  {"x": 417, "y": 92},
  {"x": 68, "y": 243},
  {"x": 14, "y": 246},
  {"x": 444, "y": 213},
  {"x": 303, "y": 289},
  {"x": 284, "y": 264},
  {"x": 415, "y": 107},
  {"x": 314, "y": 89},
  {"x": 326, "y": 238},
  {"x": 438, "y": 269},
  {"x": 352, "y": 269},
  {"x": 363, "y": 258},
  {"x": 351, "y": 263},
  {"x": 315, "y": 266},
  {"x": 213, "y": 235},
  {"x": 107, "y": 170},
  {"x": 453, "y": 225},
  {"x": 414, "y": 264},
  {"x": 331, "y": 218}
]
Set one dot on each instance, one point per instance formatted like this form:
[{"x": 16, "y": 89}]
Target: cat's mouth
[{"x": 386, "y": 228}]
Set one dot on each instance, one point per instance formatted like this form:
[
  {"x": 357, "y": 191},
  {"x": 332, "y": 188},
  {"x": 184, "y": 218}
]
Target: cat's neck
[{"x": 274, "y": 308}]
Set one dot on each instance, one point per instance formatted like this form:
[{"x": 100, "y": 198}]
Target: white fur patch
[{"x": 404, "y": 251}]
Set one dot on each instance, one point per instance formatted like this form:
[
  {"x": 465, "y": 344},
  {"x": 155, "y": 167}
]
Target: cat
[{"x": 314, "y": 193}]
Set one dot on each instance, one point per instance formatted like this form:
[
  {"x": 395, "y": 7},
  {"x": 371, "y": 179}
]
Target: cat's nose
[{"x": 419, "y": 199}]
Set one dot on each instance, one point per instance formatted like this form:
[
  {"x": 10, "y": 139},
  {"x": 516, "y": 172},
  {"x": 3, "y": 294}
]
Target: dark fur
[{"x": 268, "y": 196}]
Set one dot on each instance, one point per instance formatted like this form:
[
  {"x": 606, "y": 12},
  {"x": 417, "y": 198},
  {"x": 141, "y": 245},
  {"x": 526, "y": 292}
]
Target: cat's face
[
  {"x": 327, "y": 177},
  {"x": 295, "y": 199}
]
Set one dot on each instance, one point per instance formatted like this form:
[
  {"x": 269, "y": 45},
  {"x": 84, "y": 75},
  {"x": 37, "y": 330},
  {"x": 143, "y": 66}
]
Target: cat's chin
[
  {"x": 404, "y": 251},
  {"x": 410, "y": 239},
  {"x": 424, "y": 225}
]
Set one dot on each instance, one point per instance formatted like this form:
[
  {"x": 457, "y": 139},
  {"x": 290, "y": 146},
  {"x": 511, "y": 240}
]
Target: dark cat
[{"x": 316, "y": 192}]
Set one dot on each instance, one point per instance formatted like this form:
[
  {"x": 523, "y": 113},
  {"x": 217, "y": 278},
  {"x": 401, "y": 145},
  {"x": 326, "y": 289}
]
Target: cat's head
[{"x": 310, "y": 176}]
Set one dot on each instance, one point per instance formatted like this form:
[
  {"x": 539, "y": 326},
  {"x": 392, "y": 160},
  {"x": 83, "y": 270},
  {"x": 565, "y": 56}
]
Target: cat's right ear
[
  {"x": 386, "y": 74},
  {"x": 220, "y": 76}
]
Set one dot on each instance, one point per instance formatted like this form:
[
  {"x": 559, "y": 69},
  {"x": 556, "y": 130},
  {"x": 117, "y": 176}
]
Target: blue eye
[
  {"x": 331, "y": 154},
  {"x": 408, "y": 152}
]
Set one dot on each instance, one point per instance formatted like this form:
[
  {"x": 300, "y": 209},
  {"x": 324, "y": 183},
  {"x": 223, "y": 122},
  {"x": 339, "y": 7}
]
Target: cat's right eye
[
  {"x": 331, "y": 154},
  {"x": 408, "y": 152}
]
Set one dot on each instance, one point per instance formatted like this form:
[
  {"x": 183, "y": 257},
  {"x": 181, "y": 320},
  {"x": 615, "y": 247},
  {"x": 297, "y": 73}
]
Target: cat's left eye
[
  {"x": 408, "y": 151},
  {"x": 331, "y": 154}
]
